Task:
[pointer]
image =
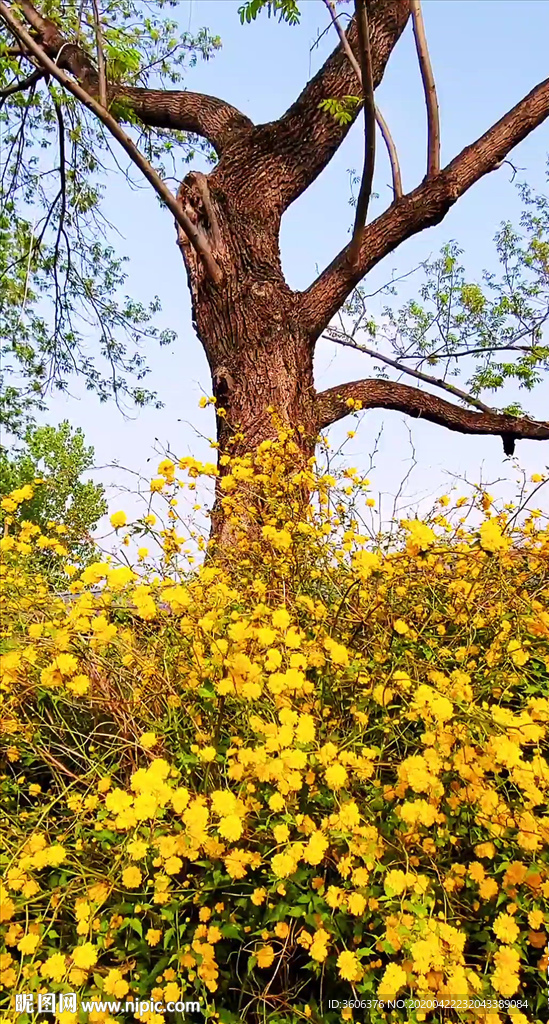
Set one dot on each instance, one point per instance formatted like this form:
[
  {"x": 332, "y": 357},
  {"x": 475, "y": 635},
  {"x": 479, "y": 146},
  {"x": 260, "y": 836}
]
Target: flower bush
[{"x": 312, "y": 770}]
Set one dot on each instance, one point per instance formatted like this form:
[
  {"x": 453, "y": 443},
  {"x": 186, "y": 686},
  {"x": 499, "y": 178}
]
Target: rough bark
[{"x": 331, "y": 405}]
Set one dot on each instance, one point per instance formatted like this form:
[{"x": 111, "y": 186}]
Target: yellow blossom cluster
[{"x": 309, "y": 765}]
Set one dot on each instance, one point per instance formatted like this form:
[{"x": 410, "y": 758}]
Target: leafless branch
[
  {"x": 393, "y": 155},
  {"x": 367, "y": 77},
  {"x": 195, "y": 236},
  {"x": 340, "y": 339},
  {"x": 100, "y": 55},
  {"x": 429, "y": 87}
]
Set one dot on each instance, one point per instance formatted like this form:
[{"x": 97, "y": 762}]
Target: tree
[
  {"x": 50, "y": 465},
  {"x": 259, "y": 336}
]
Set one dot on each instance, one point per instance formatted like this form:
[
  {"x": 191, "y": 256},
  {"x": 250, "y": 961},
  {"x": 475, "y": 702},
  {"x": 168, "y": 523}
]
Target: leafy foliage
[
  {"x": 48, "y": 469},
  {"x": 61, "y": 280},
  {"x": 341, "y": 110},
  {"x": 315, "y": 771},
  {"x": 493, "y": 333},
  {"x": 287, "y": 10}
]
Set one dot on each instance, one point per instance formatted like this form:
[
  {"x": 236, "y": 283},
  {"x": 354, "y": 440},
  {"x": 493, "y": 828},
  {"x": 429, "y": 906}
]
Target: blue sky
[{"x": 486, "y": 55}]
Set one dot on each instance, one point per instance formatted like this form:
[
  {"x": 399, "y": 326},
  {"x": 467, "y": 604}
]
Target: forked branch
[
  {"x": 195, "y": 236},
  {"x": 214, "y": 119},
  {"x": 429, "y": 88},
  {"x": 424, "y": 207},
  {"x": 336, "y": 403},
  {"x": 296, "y": 148}
]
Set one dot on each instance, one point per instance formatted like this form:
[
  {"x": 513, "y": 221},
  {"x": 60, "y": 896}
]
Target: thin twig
[
  {"x": 369, "y": 129},
  {"x": 195, "y": 236},
  {"x": 335, "y": 335},
  {"x": 383, "y": 126},
  {"x": 429, "y": 88},
  {"x": 100, "y": 55}
]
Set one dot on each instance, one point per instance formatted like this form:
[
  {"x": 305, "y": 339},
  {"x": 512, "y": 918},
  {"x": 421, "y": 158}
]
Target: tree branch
[
  {"x": 25, "y": 83},
  {"x": 331, "y": 405},
  {"x": 429, "y": 88},
  {"x": 194, "y": 235},
  {"x": 302, "y": 142},
  {"x": 213, "y": 119},
  {"x": 392, "y": 152},
  {"x": 102, "y": 75},
  {"x": 426, "y": 206},
  {"x": 366, "y": 75},
  {"x": 340, "y": 339},
  {"x": 383, "y": 126}
]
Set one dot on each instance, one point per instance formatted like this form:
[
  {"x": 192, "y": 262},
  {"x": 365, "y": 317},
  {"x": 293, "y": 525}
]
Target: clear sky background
[{"x": 486, "y": 54}]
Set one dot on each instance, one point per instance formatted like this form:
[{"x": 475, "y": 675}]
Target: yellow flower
[
  {"x": 85, "y": 956},
  {"x": 281, "y": 833},
  {"x": 395, "y": 882},
  {"x": 401, "y": 627},
  {"x": 365, "y": 563},
  {"x": 131, "y": 878},
  {"x": 148, "y": 740},
  {"x": 265, "y": 956},
  {"x": 356, "y": 904},
  {"x": 536, "y": 919},
  {"x": 259, "y": 896},
  {"x": 119, "y": 578},
  {"x": 318, "y": 949},
  {"x": 153, "y": 936},
  {"x": 349, "y": 966},
  {"x": 505, "y": 928},
  {"x": 79, "y": 685},
  {"x": 306, "y": 729},
  {"x": 28, "y": 944},
  {"x": 115, "y": 985},
  {"x": 488, "y": 889},
  {"x": 492, "y": 538},
  {"x": 137, "y": 849},
  {"x": 280, "y": 618},
  {"x": 173, "y": 865},
  {"x": 117, "y": 801},
  {"x": 118, "y": 519},
  {"x": 66, "y": 664},
  {"x": 394, "y": 978},
  {"x": 315, "y": 848},
  {"x": 54, "y": 967},
  {"x": 336, "y": 776}
]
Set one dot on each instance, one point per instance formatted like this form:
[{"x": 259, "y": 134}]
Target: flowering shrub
[{"x": 311, "y": 771}]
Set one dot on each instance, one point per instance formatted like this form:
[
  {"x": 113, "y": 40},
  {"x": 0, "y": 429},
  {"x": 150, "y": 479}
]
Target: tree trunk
[{"x": 259, "y": 353}]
